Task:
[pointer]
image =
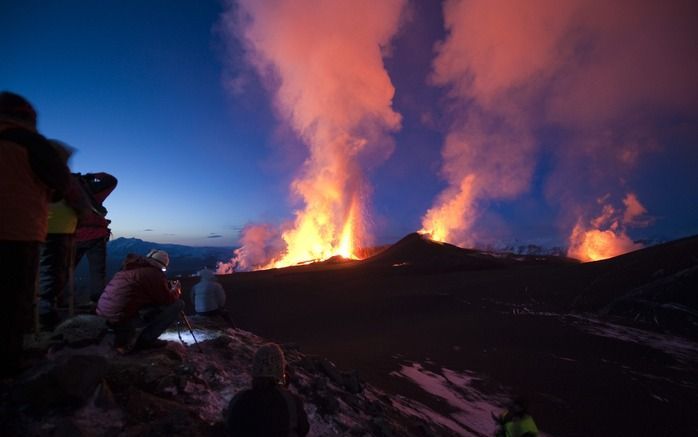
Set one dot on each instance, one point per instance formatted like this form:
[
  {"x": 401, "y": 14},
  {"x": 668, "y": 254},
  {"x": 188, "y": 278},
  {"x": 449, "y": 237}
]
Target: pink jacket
[
  {"x": 92, "y": 226},
  {"x": 138, "y": 284}
]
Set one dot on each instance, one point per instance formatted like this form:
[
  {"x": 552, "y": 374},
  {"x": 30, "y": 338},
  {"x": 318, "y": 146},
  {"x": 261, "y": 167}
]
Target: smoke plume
[
  {"x": 600, "y": 75},
  {"x": 259, "y": 244},
  {"x": 323, "y": 63},
  {"x": 605, "y": 236}
]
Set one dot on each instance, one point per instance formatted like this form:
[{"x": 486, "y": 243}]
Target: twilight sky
[{"x": 518, "y": 121}]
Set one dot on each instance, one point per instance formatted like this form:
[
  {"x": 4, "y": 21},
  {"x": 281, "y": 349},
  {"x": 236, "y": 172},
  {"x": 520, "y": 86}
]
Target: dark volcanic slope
[
  {"x": 617, "y": 276},
  {"x": 515, "y": 324},
  {"x": 417, "y": 252}
]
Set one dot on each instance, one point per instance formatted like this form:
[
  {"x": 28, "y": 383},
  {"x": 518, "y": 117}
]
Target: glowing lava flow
[
  {"x": 346, "y": 244},
  {"x": 315, "y": 238}
]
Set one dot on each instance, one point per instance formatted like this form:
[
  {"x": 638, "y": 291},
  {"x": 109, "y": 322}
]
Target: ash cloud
[{"x": 604, "y": 76}]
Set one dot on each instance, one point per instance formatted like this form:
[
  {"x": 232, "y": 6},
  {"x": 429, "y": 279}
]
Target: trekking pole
[
  {"x": 191, "y": 331},
  {"x": 71, "y": 281},
  {"x": 35, "y": 301}
]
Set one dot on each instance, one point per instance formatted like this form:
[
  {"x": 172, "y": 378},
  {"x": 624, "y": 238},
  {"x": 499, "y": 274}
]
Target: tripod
[{"x": 183, "y": 319}]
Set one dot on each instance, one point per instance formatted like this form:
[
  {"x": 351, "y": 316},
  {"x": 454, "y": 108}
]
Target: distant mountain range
[{"x": 184, "y": 260}]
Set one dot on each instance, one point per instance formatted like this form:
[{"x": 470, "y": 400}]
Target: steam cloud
[
  {"x": 260, "y": 243},
  {"x": 323, "y": 62},
  {"x": 599, "y": 73},
  {"x": 605, "y": 236}
]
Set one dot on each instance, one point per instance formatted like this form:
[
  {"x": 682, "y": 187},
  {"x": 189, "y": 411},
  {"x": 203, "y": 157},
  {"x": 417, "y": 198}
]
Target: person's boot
[{"x": 49, "y": 321}]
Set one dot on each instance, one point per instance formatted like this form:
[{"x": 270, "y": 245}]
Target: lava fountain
[{"x": 323, "y": 64}]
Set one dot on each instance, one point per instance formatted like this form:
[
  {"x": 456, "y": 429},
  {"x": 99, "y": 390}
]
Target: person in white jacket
[{"x": 208, "y": 297}]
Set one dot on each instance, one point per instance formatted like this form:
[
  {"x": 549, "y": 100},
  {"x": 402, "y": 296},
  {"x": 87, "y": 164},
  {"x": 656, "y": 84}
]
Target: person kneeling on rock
[
  {"x": 139, "y": 303},
  {"x": 268, "y": 408}
]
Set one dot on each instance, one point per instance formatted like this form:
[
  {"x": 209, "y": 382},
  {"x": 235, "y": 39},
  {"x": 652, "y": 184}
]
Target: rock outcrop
[{"x": 83, "y": 388}]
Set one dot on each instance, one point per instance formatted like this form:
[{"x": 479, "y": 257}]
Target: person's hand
[{"x": 176, "y": 288}]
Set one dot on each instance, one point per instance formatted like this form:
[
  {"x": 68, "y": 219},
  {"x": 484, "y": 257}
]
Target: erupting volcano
[
  {"x": 453, "y": 218},
  {"x": 325, "y": 71},
  {"x": 541, "y": 109}
]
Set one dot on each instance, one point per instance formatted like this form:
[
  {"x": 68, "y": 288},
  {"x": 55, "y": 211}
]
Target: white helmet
[{"x": 160, "y": 257}]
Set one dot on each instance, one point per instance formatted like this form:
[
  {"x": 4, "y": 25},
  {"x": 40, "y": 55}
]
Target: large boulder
[
  {"x": 67, "y": 381},
  {"x": 82, "y": 330}
]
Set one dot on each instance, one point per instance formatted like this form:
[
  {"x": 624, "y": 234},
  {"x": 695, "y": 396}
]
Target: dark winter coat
[
  {"x": 267, "y": 409},
  {"x": 138, "y": 284}
]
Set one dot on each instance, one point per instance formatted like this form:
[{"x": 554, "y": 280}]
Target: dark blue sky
[{"x": 139, "y": 89}]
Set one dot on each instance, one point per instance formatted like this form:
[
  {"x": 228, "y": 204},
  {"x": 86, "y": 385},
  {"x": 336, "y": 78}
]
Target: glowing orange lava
[
  {"x": 607, "y": 237},
  {"x": 316, "y": 237},
  {"x": 596, "y": 245}
]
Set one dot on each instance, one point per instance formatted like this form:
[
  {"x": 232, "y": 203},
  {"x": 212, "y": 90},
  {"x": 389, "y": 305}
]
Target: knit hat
[
  {"x": 16, "y": 108},
  {"x": 205, "y": 274},
  {"x": 269, "y": 362},
  {"x": 160, "y": 257}
]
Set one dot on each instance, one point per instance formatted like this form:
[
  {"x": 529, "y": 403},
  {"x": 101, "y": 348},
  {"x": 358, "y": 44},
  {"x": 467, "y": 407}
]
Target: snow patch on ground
[
  {"x": 683, "y": 350},
  {"x": 472, "y": 410},
  {"x": 200, "y": 335}
]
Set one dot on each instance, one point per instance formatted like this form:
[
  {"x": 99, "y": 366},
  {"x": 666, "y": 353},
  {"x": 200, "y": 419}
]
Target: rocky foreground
[{"x": 79, "y": 386}]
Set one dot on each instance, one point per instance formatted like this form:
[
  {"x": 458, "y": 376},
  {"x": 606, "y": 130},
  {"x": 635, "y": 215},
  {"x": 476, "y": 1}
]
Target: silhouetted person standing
[
  {"x": 57, "y": 252},
  {"x": 31, "y": 174},
  {"x": 93, "y": 230},
  {"x": 268, "y": 408}
]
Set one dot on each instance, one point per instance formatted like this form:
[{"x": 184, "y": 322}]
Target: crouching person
[
  {"x": 268, "y": 408},
  {"x": 139, "y": 303}
]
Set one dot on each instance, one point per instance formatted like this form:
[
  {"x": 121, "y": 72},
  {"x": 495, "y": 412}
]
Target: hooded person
[
  {"x": 93, "y": 231},
  {"x": 268, "y": 408},
  {"x": 208, "y": 296},
  {"x": 31, "y": 175},
  {"x": 139, "y": 302}
]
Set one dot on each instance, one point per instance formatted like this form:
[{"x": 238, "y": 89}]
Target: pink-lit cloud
[{"x": 601, "y": 73}]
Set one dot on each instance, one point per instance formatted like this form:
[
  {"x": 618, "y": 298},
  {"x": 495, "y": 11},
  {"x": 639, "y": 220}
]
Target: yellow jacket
[
  {"x": 62, "y": 219},
  {"x": 521, "y": 426}
]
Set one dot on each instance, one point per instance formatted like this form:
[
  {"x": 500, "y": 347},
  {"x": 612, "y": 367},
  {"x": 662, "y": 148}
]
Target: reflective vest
[
  {"x": 521, "y": 426},
  {"x": 62, "y": 219}
]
